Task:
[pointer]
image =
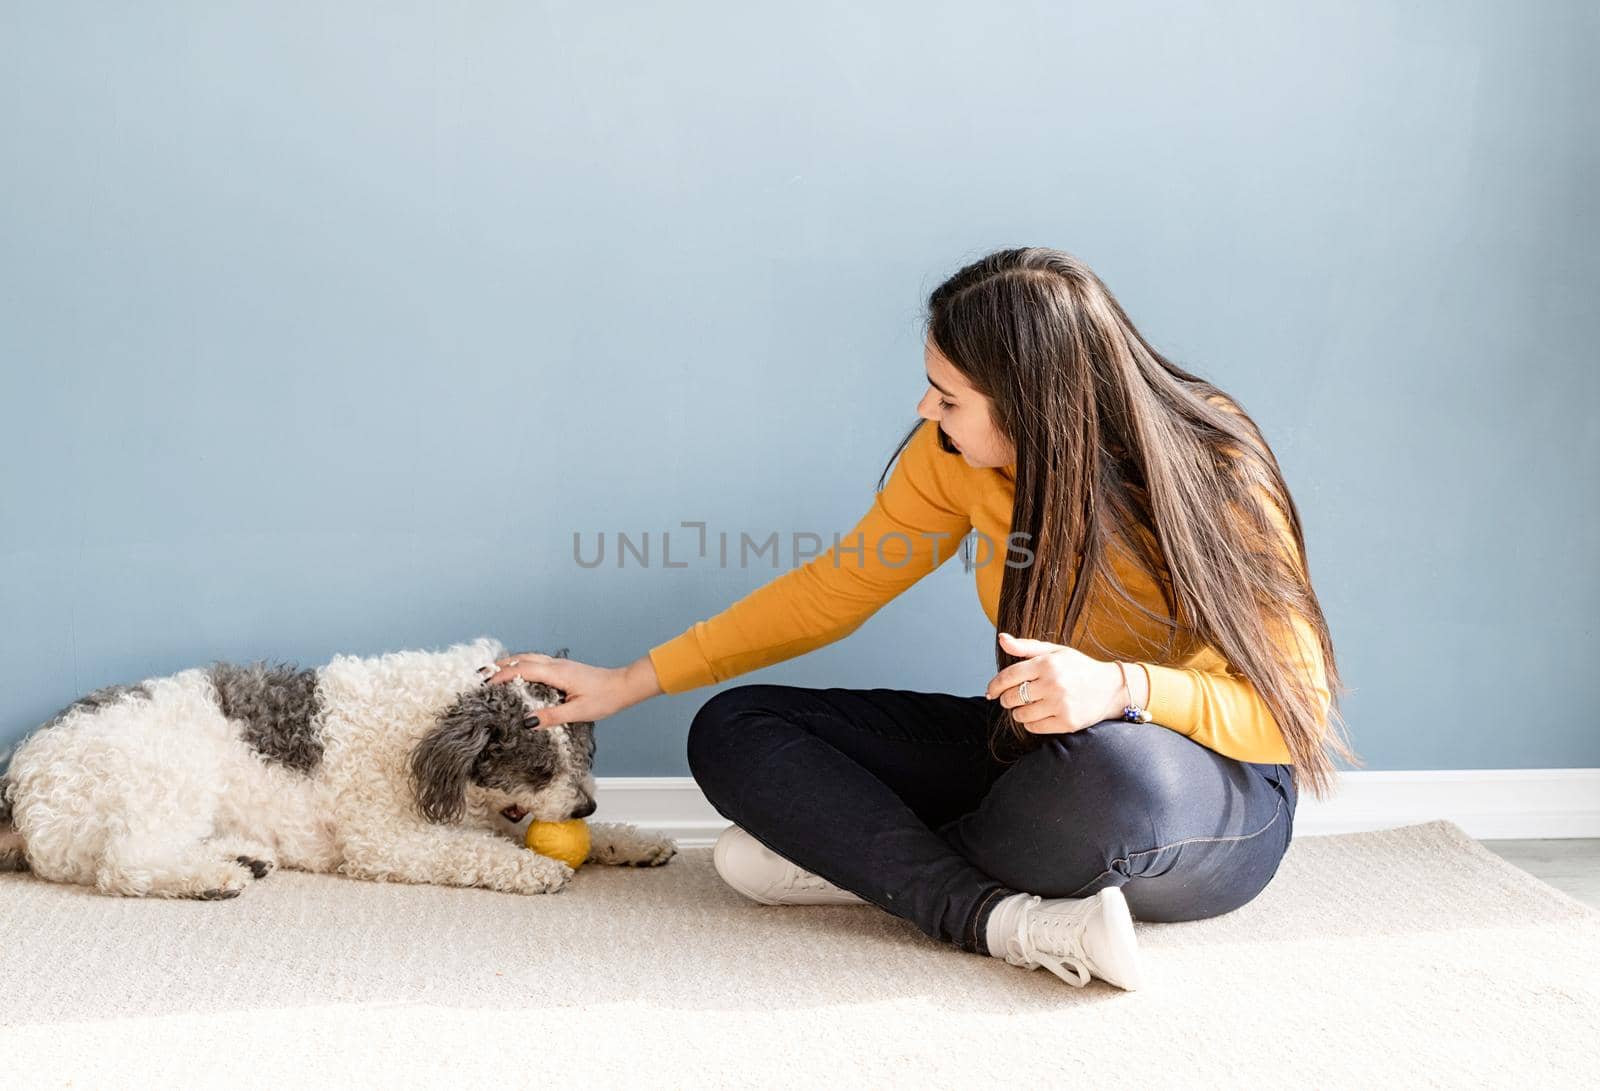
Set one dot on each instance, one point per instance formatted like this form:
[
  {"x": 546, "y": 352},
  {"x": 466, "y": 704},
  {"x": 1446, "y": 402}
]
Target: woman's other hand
[
  {"x": 592, "y": 693},
  {"x": 1067, "y": 690}
]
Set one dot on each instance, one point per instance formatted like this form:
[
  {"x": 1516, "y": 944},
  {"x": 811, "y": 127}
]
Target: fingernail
[{"x": 531, "y": 721}]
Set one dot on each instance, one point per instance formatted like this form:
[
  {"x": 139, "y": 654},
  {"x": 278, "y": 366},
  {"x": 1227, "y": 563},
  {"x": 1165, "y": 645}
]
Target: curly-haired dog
[{"x": 401, "y": 767}]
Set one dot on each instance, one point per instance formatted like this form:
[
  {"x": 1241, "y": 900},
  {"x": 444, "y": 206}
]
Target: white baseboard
[{"x": 1489, "y": 804}]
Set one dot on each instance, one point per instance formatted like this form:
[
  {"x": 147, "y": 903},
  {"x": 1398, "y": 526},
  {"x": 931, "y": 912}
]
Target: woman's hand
[
  {"x": 1067, "y": 690},
  {"x": 592, "y": 693}
]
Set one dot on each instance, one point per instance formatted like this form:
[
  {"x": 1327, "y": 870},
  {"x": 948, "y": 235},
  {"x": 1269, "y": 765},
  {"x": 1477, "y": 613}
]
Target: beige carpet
[{"x": 1413, "y": 956}]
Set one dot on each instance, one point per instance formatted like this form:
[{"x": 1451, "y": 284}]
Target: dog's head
[{"x": 480, "y": 747}]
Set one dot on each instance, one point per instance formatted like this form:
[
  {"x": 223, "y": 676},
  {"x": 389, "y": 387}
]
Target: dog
[{"x": 402, "y": 767}]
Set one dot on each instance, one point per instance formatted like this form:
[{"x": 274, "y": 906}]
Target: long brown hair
[{"x": 1115, "y": 441}]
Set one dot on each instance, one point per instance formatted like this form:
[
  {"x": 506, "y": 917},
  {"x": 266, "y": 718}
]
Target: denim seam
[
  {"x": 977, "y": 915},
  {"x": 1273, "y": 821}
]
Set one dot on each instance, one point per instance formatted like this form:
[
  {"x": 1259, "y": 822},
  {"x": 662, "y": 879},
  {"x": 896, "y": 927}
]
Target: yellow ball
[{"x": 565, "y": 841}]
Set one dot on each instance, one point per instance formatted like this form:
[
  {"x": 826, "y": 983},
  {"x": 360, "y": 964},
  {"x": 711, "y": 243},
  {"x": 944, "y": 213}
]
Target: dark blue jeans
[{"x": 894, "y": 796}]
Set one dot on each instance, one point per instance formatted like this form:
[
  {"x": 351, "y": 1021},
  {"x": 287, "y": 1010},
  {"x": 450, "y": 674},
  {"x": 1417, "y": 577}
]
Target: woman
[{"x": 1141, "y": 747}]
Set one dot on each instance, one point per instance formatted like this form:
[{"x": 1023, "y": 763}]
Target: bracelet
[{"x": 1133, "y": 713}]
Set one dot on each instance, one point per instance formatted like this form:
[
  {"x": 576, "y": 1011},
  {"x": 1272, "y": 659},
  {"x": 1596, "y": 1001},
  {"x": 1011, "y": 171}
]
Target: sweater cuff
[
  {"x": 680, "y": 664},
  {"x": 1173, "y": 694}
]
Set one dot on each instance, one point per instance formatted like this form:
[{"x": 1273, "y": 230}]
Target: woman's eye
[{"x": 946, "y": 405}]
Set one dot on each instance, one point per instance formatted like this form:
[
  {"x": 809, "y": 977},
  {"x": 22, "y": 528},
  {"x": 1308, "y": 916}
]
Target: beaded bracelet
[{"x": 1133, "y": 713}]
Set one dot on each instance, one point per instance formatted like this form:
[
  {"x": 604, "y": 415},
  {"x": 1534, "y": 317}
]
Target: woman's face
[{"x": 962, "y": 414}]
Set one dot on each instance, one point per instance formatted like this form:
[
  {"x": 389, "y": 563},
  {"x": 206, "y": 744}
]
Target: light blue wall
[{"x": 324, "y": 326}]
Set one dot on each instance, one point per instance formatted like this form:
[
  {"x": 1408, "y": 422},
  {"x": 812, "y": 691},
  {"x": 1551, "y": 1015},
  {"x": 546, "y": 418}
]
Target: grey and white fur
[{"x": 402, "y": 767}]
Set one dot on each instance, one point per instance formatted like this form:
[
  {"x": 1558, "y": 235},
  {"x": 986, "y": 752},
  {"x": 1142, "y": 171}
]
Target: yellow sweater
[{"x": 931, "y": 501}]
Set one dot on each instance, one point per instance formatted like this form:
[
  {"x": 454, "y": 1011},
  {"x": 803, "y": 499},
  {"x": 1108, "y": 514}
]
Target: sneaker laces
[{"x": 1061, "y": 931}]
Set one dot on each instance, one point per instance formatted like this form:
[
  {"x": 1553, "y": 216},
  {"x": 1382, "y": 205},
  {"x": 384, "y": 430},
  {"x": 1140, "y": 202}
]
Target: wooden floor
[{"x": 1571, "y": 865}]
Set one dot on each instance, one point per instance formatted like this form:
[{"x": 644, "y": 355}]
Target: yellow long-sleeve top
[{"x": 932, "y": 500}]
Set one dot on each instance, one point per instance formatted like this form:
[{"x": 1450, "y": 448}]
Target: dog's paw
[
  {"x": 653, "y": 851},
  {"x": 259, "y": 869},
  {"x": 256, "y": 857},
  {"x": 216, "y": 894},
  {"x": 211, "y": 882},
  {"x": 537, "y": 874},
  {"x": 622, "y": 844}
]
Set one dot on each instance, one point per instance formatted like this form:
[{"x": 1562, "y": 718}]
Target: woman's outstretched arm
[{"x": 914, "y": 525}]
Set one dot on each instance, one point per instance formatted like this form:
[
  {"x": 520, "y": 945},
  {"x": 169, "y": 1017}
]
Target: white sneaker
[
  {"x": 761, "y": 874},
  {"x": 1077, "y": 937}
]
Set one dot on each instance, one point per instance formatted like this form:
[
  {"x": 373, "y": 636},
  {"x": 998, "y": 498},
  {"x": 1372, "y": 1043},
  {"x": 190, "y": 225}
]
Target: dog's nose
[{"x": 584, "y": 810}]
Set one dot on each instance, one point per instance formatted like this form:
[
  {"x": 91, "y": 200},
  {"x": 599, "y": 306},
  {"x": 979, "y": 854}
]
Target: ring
[
  {"x": 1022, "y": 691},
  {"x": 510, "y": 663}
]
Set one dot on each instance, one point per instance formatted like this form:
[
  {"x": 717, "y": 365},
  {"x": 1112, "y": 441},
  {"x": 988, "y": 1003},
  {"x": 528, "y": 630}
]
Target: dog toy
[{"x": 565, "y": 841}]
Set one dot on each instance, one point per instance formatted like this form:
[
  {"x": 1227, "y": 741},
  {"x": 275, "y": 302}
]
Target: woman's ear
[{"x": 442, "y": 762}]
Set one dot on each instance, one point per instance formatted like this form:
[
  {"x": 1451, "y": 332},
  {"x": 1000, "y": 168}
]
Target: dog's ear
[{"x": 442, "y": 762}]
